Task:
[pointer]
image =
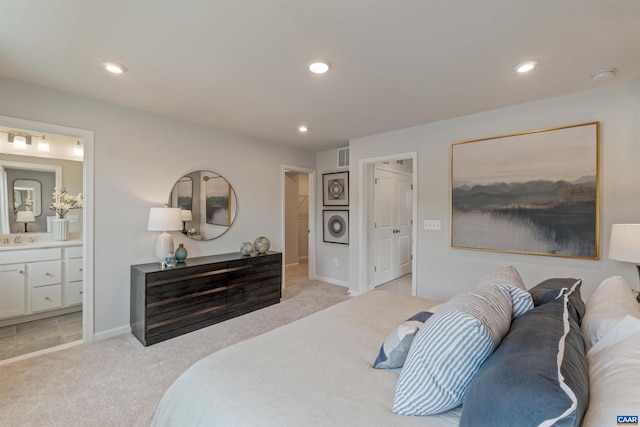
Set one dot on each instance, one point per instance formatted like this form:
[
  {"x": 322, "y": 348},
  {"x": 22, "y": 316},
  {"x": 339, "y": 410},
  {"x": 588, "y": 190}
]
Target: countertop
[{"x": 39, "y": 244}]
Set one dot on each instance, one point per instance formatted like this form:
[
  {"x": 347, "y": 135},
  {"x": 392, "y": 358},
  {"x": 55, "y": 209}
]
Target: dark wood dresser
[{"x": 167, "y": 302}]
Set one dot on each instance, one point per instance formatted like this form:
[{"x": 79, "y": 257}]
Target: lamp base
[{"x": 164, "y": 245}]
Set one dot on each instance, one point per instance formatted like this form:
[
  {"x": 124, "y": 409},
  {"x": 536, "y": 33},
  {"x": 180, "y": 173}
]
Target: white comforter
[{"x": 313, "y": 372}]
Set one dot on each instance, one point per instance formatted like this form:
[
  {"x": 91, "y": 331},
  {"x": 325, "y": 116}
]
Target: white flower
[{"x": 63, "y": 202}]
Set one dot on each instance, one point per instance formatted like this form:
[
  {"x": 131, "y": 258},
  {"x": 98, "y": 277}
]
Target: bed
[
  {"x": 315, "y": 371},
  {"x": 318, "y": 370}
]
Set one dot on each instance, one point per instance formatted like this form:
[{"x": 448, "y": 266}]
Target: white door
[
  {"x": 12, "y": 290},
  {"x": 392, "y": 225}
]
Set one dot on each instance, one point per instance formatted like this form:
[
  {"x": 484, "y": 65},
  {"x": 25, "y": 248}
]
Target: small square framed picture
[
  {"x": 335, "y": 226},
  {"x": 335, "y": 189}
]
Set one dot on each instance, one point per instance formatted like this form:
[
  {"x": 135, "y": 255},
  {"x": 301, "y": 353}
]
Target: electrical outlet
[
  {"x": 72, "y": 218},
  {"x": 335, "y": 262},
  {"x": 432, "y": 224}
]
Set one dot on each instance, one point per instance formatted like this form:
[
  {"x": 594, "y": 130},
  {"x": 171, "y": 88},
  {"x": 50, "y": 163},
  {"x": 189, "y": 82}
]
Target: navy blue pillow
[
  {"x": 519, "y": 383},
  {"x": 550, "y": 289}
]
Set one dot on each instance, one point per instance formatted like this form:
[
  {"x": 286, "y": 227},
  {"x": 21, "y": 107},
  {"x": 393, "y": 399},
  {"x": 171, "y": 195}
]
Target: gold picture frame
[{"x": 533, "y": 193}]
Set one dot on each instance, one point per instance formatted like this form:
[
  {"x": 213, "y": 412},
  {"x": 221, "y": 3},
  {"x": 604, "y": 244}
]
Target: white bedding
[{"x": 313, "y": 372}]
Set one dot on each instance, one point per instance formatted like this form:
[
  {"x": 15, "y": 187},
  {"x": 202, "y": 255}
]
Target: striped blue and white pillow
[{"x": 450, "y": 348}]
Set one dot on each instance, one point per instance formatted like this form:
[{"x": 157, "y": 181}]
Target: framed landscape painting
[{"x": 532, "y": 193}]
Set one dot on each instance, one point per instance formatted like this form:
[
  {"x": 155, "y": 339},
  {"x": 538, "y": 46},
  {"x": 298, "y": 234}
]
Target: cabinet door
[
  {"x": 12, "y": 290},
  {"x": 72, "y": 293},
  {"x": 46, "y": 297},
  {"x": 45, "y": 273},
  {"x": 73, "y": 270}
]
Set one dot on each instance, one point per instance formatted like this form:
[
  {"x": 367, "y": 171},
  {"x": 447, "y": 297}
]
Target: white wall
[
  {"x": 138, "y": 158},
  {"x": 443, "y": 271},
  {"x": 326, "y": 253}
]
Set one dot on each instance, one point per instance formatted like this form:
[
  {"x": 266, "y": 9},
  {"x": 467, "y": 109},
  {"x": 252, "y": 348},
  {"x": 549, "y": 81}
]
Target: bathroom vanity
[{"x": 39, "y": 279}]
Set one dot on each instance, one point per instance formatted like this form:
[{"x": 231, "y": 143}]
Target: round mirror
[{"x": 208, "y": 204}]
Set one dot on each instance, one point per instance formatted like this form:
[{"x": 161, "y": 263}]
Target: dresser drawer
[
  {"x": 73, "y": 269},
  {"x": 46, "y": 297},
  {"x": 73, "y": 293},
  {"x": 45, "y": 273}
]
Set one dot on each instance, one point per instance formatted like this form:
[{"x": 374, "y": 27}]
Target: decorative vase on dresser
[
  {"x": 60, "y": 228},
  {"x": 181, "y": 253}
]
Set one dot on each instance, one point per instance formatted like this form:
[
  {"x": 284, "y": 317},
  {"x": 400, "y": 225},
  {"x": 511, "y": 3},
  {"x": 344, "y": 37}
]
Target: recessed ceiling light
[
  {"x": 526, "y": 66},
  {"x": 114, "y": 68},
  {"x": 607, "y": 74},
  {"x": 319, "y": 66},
  {"x": 303, "y": 129}
]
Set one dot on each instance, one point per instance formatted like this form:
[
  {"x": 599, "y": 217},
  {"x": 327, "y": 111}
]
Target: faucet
[
  {"x": 5, "y": 240},
  {"x": 17, "y": 239}
]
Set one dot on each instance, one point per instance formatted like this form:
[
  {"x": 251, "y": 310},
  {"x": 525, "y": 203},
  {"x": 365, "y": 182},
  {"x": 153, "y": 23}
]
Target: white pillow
[
  {"x": 449, "y": 349},
  {"x": 505, "y": 275},
  {"x": 609, "y": 304},
  {"x": 614, "y": 369}
]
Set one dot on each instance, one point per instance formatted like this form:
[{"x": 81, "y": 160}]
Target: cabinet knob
[
  {"x": 48, "y": 274},
  {"x": 79, "y": 269},
  {"x": 80, "y": 292},
  {"x": 47, "y": 299},
  {"x": 21, "y": 272}
]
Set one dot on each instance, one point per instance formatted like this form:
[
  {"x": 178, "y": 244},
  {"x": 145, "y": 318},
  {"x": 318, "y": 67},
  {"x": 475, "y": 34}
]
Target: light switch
[{"x": 432, "y": 224}]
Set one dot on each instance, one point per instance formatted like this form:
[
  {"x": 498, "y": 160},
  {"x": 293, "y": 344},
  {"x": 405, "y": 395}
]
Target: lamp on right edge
[{"x": 625, "y": 243}]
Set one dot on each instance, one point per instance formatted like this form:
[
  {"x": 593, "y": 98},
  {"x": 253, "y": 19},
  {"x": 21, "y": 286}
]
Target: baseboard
[
  {"x": 112, "y": 333},
  {"x": 332, "y": 281}
]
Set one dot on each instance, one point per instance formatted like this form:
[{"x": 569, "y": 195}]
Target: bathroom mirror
[
  {"x": 27, "y": 196},
  {"x": 208, "y": 203},
  {"x": 24, "y": 183}
]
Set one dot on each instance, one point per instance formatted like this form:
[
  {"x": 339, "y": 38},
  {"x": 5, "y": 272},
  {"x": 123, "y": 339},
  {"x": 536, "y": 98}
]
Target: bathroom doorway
[{"x": 47, "y": 286}]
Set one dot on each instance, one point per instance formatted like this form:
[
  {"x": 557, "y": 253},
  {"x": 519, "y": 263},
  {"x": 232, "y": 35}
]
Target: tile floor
[{"x": 28, "y": 337}]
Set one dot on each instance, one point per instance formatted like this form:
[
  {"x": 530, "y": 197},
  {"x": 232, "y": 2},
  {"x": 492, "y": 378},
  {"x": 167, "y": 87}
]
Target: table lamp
[
  {"x": 164, "y": 219},
  {"x": 25, "y": 216},
  {"x": 625, "y": 243},
  {"x": 186, "y": 216}
]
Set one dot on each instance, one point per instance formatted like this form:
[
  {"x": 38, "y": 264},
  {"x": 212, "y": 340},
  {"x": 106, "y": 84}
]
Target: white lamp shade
[
  {"x": 164, "y": 219},
  {"x": 625, "y": 243},
  {"x": 25, "y": 216},
  {"x": 186, "y": 215}
]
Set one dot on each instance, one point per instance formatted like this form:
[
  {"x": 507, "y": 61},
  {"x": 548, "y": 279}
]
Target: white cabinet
[
  {"x": 73, "y": 275},
  {"x": 12, "y": 290},
  {"x": 37, "y": 280}
]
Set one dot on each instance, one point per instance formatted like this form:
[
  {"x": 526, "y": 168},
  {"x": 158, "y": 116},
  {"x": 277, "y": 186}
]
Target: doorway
[
  {"x": 68, "y": 303},
  {"x": 298, "y": 223},
  {"x": 389, "y": 216}
]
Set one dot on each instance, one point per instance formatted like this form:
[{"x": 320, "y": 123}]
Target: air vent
[{"x": 343, "y": 157}]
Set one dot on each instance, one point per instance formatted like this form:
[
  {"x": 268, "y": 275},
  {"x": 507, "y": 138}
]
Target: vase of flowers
[{"x": 62, "y": 203}]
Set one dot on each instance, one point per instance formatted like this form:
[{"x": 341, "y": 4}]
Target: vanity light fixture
[
  {"x": 319, "y": 66},
  {"x": 114, "y": 67},
  {"x": 303, "y": 129},
  {"x": 19, "y": 141},
  {"x": 43, "y": 144},
  {"x": 78, "y": 150},
  {"x": 525, "y": 67}
]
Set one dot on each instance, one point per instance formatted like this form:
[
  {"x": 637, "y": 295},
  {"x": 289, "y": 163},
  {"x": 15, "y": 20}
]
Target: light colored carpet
[{"x": 118, "y": 382}]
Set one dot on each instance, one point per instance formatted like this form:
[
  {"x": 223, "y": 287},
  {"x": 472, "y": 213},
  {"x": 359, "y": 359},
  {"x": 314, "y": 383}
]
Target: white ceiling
[{"x": 241, "y": 65}]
